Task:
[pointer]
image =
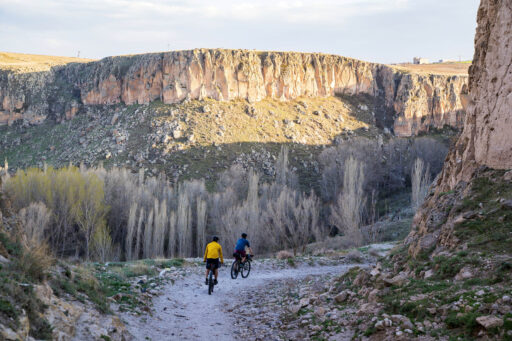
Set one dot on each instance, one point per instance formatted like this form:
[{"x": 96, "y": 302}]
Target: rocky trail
[{"x": 185, "y": 311}]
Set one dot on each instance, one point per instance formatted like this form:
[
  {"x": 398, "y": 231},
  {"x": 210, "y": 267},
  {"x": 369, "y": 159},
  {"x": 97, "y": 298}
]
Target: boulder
[
  {"x": 489, "y": 322},
  {"x": 341, "y": 297}
]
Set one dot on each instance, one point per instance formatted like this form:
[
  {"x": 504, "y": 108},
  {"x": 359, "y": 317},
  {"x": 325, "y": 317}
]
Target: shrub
[
  {"x": 354, "y": 256},
  {"x": 35, "y": 260},
  {"x": 284, "y": 254}
]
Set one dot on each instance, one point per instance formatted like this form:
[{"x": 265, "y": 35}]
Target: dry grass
[
  {"x": 452, "y": 68},
  {"x": 24, "y": 63},
  {"x": 273, "y": 121},
  {"x": 35, "y": 261}
]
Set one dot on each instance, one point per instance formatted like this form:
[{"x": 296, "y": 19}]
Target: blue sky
[{"x": 384, "y": 31}]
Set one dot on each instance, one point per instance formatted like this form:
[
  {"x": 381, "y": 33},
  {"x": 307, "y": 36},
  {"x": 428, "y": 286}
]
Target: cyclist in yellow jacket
[{"x": 211, "y": 256}]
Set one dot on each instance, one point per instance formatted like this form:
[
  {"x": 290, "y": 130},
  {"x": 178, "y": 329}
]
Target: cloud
[{"x": 107, "y": 27}]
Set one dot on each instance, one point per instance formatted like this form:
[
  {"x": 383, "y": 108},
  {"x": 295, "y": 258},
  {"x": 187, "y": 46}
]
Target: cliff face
[
  {"x": 486, "y": 140},
  {"x": 418, "y": 102}
]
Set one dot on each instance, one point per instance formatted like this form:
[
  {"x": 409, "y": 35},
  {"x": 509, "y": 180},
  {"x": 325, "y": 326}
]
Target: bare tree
[
  {"x": 131, "y": 231},
  {"x": 148, "y": 235},
  {"x": 201, "y": 225},
  {"x": 171, "y": 243},
  {"x": 347, "y": 212},
  {"x": 35, "y": 219}
]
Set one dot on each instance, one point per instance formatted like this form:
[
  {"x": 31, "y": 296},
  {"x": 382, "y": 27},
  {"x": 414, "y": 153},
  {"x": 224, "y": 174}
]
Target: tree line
[{"x": 114, "y": 214}]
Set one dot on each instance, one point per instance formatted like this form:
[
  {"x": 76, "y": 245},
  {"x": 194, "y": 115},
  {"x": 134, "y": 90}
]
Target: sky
[{"x": 385, "y": 31}]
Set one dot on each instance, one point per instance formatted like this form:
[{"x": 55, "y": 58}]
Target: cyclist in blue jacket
[{"x": 240, "y": 246}]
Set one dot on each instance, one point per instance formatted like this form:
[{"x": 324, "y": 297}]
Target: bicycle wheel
[
  {"x": 210, "y": 283},
  {"x": 234, "y": 269},
  {"x": 245, "y": 269}
]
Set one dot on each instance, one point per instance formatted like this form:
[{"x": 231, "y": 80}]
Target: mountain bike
[
  {"x": 244, "y": 268},
  {"x": 211, "y": 282}
]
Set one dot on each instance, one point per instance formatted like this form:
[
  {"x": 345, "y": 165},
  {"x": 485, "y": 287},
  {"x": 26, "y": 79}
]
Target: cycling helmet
[
  {"x": 215, "y": 238},
  {"x": 244, "y": 235}
]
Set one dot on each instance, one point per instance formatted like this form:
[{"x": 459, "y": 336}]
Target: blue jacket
[{"x": 241, "y": 244}]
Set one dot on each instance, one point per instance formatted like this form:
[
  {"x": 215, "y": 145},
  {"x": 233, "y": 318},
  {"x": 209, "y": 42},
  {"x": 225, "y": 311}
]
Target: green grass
[
  {"x": 465, "y": 323},
  {"x": 491, "y": 229},
  {"x": 17, "y": 292}
]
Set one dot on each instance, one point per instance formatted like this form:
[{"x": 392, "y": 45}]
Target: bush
[
  {"x": 284, "y": 254},
  {"x": 355, "y": 256},
  {"x": 35, "y": 261}
]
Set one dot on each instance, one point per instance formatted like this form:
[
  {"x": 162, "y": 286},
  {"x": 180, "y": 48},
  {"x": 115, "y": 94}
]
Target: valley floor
[{"x": 248, "y": 309}]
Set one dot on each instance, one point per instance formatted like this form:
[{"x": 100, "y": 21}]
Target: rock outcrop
[
  {"x": 485, "y": 141},
  {"x": 414, "y": 102}
]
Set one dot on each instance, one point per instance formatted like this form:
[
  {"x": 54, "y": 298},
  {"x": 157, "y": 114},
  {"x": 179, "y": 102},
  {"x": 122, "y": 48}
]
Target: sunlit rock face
[
  {"x": 416, "y": 102},
  {"x": 486, "y": 139}
]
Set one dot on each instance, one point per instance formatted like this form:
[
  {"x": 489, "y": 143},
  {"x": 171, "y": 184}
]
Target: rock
[
  {"x": 397, "y": 280},
  {"x": 294, "y": 308},
  {"x": 362, "y": 278},
  {"x": 177, "y": 133},
  {"x": 304, "y": 302},
  {"x": 319, "y": 311},
  {"x": 506, "y": 299},
  {"x": 114, "y": 119},
  {"x": 404, "y": 321},
  {"x": 464, "y": 273},
  {"x": 428, "y": 274},
  {"x": 373, "y": 295},
  {"x": 376, "y": 270},
  {"x": 507, "y": 204},
  {"x": 489, "y": 322},
  {"x": 341, "y": 297},
  {"x": 8, "y": 334},
  {"x": 316, "y": 328},
  {"x": 380, "y": 325},
  {"x": 3, "y": 260},
  {"x": 508, "y": 176},
  {"x": 368, "y": 309}
]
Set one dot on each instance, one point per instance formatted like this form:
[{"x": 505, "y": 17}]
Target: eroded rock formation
[
  {"x": 415, "y": 102},
  {"x": 486, "y": 139}
]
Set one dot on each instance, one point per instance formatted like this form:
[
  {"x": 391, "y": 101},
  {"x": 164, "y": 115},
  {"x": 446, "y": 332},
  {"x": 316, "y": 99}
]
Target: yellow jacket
[{"x": 214, "y": 251}]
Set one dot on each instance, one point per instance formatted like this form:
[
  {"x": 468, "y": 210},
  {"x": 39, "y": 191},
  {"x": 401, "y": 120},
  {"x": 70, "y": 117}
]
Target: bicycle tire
[
  {"x": 245, "y": 269},
  {"x": 234, "y": 270},
  {"x": 210, "y": 283}
]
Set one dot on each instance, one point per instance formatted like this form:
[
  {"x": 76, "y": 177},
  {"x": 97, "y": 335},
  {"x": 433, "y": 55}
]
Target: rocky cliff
[
  {"x": 414, "y": 102},
  {"x": 474, "y": 167}
]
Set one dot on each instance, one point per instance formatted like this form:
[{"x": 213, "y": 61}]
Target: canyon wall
[
  {"x": 417, "y": 102},
  {"x": 486, "y": 139}
]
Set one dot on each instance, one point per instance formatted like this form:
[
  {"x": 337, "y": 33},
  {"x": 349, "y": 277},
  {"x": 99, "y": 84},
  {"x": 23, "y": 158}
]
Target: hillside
[{"x": 27, "y": 63}]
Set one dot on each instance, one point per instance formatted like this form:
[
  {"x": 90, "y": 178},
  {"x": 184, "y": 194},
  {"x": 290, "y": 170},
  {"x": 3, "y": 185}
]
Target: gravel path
[{"x": 185, "y": 311}]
